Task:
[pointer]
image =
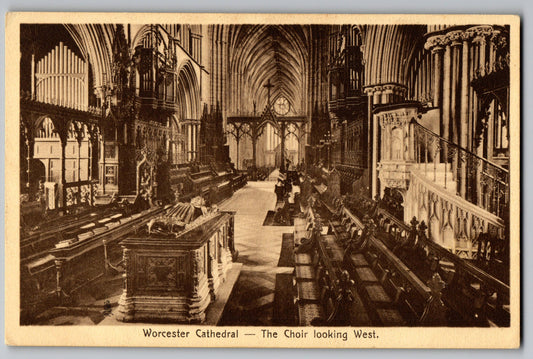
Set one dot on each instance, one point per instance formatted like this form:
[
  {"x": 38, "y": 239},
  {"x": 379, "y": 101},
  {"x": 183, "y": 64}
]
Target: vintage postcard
[{"x": 239, "y": 180}]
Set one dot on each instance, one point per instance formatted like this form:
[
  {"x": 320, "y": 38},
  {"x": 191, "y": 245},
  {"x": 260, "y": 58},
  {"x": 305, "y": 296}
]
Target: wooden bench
[
  {"x": 64, "y": 269},
  {"x": 466, "y": 284},
  {"x": 318, "y": 281},
  {"x": 393, "y": 293}
]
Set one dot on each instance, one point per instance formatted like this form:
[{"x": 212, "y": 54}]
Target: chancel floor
[{"x": 251, "y": 301}]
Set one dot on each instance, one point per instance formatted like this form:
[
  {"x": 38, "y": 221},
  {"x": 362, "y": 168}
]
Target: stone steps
[{"x": 440, "y": 173}]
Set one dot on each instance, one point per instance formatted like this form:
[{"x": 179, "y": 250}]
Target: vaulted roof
[{"x": 259, "y": 53}]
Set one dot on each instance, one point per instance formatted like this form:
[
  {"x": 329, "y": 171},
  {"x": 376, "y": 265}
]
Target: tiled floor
[{"x": 259, "y": 250}]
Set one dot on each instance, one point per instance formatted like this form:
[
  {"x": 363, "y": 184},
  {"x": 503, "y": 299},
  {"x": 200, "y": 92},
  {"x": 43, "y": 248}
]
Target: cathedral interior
[{"x": 264, "y": 175}]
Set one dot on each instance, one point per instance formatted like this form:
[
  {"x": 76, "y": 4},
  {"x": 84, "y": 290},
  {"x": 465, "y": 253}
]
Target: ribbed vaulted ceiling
[
  {"x": 389, "y": 50},
  {"x": 259, "y": 53}
]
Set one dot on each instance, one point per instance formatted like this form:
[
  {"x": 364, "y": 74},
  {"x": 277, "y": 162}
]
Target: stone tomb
[{"x": 173, "y": 277}]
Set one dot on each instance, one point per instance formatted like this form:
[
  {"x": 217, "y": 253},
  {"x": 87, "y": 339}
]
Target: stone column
[
  {"x": 195, "y": 136},
  {"x": 387, "y": 96},
  {"x": 412, "y": 151},
  {"x": 371, "y": 145},
  {"x": 482, "y": 63},
  {"x": 254, "y": 147},
  {"x": 189, "y": 142},
  {"x": 446, "y": 93},
  {"x": 193, "y": 144},
  {"x": 436, "y": 45},
  {"x": 456, "y": 37},
  {"x": 465, "y": 100},
  {"x": 63, "y": 138},
  {"x": 377, "y": 91},
  {"x": 282, "y": 135},
  {"x": 374, "y": 156},
  {"x": 455, "y": 115}
]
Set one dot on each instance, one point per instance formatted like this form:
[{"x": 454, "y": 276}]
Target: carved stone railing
[
  {"x": 453, "y": 222},
  {"x": 458, "y": 194},
  {"x": 477, "y": 180}
]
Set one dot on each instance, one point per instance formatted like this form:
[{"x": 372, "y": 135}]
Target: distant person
[{"x": 279, "y": 190}]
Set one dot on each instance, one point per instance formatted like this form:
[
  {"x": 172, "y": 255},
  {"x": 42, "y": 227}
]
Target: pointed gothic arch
[{"x": 188, "y": 92}]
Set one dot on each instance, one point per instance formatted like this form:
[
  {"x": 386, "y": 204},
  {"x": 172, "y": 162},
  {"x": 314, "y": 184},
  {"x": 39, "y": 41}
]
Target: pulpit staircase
[
  {"x": 458, "y": 170},
  {"x": 458, "y": 194},
  {"x": 439, "y": 173}
]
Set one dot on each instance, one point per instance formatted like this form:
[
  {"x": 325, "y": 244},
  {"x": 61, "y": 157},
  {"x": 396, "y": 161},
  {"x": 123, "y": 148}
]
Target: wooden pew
[
  {"x": 393, "y": 293},
  {"x": 325, "y": 293},
  {"x": 61, "y": 271},
  {"x": 40, "y": 241},
  {"x": 478, "y": 297}
]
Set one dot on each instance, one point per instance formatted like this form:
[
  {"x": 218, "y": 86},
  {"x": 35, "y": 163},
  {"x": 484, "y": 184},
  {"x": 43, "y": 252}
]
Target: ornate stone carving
[
  {"x": 161, "y": 272},
  {"x": 435, "y": 42},
  {"x": 394, "y": 174},
  {"x": 455, "y": 38},
  {"x": 480, "y": 31},
  {"x": 168, "y": 281},
  {"x": 395, "y": 88},
  {"x": 400, "y": 117},
  {"x": 477, "y": 34}
]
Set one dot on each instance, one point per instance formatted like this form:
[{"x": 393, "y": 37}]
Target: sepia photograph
[{"x": 311, "y": 183}]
